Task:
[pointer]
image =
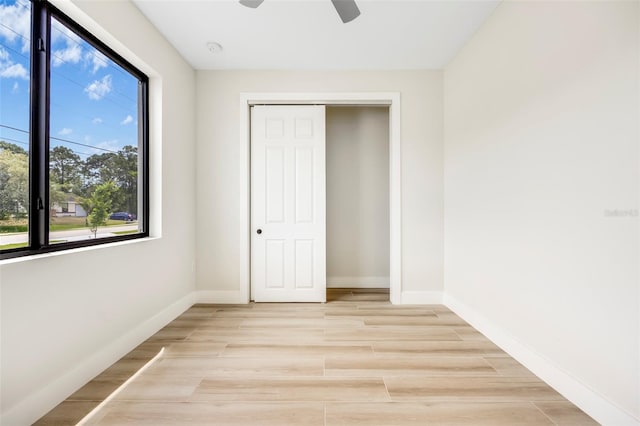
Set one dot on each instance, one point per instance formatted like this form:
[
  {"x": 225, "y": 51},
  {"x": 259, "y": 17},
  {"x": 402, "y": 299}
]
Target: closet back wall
[{"x": 357, "y": 196}]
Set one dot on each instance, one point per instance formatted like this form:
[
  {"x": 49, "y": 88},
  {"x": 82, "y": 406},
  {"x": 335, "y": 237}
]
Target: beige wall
[
  {"x": 58, "y": 333},
  {"x": 541, "y": 126},
  {"x": 218, "y": 205},
  {"x": 357, "y": 153}
]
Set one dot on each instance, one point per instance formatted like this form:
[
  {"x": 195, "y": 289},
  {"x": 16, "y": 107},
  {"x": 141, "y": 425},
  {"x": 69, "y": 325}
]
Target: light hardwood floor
[{"x": 356, "y": 360}]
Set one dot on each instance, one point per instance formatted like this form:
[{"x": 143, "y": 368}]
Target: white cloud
[
  {"x": 99, "y": 88},
  {"x": 16, "y": 24},
  {"x": 15, "y": 87},
  {"x": 72, "y": 50},
  {"x": 97, "y": 120},
  {"x": 13, "y": 71},
  {"x": 127, "y": 120},
  {"x": 9, "y": 69},
  {"x": 96, "y": 59},
  {"x": 72, "y": 53},
  {"x": 65, "y": 131}
]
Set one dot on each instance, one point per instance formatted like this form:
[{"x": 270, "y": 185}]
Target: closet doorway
[
  {"x": 357, "y": 182},
  {"x": 366, "y": 273}
]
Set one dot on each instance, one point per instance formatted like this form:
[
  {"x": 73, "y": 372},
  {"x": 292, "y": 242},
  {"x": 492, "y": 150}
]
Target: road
[{"x": 70, "y": 235}]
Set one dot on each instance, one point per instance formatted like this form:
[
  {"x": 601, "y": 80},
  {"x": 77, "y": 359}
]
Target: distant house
[{"x": 70, "y": 207}]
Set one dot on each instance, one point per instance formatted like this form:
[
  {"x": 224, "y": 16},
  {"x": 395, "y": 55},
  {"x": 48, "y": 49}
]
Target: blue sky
[{"x": 93, "y": 100}]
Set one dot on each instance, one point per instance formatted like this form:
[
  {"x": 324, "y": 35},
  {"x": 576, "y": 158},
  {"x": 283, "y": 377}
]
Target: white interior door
[{"x": 288, "y": 229}]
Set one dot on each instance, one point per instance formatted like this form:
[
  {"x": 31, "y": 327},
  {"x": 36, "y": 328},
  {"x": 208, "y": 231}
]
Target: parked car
[{"x": 127, "y": 217}]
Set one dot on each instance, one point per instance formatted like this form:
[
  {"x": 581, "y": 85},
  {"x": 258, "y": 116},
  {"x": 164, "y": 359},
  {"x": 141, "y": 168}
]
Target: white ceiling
[{"x": 308, "y": 34}]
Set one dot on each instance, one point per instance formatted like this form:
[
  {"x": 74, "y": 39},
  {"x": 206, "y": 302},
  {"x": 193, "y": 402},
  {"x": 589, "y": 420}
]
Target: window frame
[{"x": 42, "y": 13}]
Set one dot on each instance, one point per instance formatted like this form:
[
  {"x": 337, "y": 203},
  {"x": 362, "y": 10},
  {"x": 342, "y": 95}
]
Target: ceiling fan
[{"x": 347, "y": 9}]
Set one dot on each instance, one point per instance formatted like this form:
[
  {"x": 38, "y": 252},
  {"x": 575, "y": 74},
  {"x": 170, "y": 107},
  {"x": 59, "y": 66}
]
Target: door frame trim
[{"x": 391, "y": 99}]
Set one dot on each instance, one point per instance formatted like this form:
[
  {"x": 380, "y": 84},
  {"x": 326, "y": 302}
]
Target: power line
[
  {"x": 13, "y": 140},
  {"x": 106, "y": 62},
  {"x": 14, "y": 31},
  {"x": 62, "y": 140},
  {"x": 4, "y": 138},
  {"x": 109, "y": 99},
  {"x": 14, "y": 50},
  {"x": 82, "y": 144}
]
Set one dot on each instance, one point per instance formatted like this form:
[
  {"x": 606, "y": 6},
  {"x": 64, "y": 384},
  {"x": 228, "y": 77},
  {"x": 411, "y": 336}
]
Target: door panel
[
  {"x": 275, "y": 265},
  {"x": 304, "y": 185},
  {"x": 274, "y": 180},
  {"x": 288, "y": 229},
  {"x": 304, "y": 263}
]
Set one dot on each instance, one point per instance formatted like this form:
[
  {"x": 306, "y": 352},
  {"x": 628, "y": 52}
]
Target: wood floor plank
[
  {"x": 213, "y": 322},
  {"x": 468, "y": 333},
  {"x": 293, "y": 350},
  {"x": 292, "y": 389},
  {"x": 258, "y": 336},
  {"x": 438, "y": 348},
  {"x": 417, "y": 320},
  {"x": 159, "y": 388},
  {"x": 97, "y": 389},
  {"x": 194, "y": 349},
  {"x": 507, "y": 366},
  {"x": 309, "y": 323},
  {"x": 420, "y": 414},
  {"x": 146, "y": 350},
  {"x": 477, "y": 389},
  {"x": 273, "y": 313},
  {"x": 564, "y": 413},
  {"x": 409, "y": 366},
  {"x": 359, "y": 311},
  {"x": 378, "y": 333},
  {"x": 373, "y": 297},
  {"x": 69, "y": 413},
  {"x": 207, "y": 414},
  {"x": 171, "y": 334},
  {"x": 239, "y": 367}
]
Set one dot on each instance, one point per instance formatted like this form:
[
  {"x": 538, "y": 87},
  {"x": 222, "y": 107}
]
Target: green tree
[
  {"x": 65, "y": 168},
  {"x": 127, "y": 164},
  {"x": 14, "y": 180},
  {"x": 121, "y": 168},
  {"x": 87, "y": 206},
  {"x": 12, "y": 147},
  {"x": 101, "y": 201},
  {"x": 97, "y": 169}
]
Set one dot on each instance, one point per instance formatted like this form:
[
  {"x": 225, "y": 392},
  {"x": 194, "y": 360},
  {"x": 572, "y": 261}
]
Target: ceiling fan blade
[
  {"x": 251, "y": 3},
  {"x": 347, "y": 9}
]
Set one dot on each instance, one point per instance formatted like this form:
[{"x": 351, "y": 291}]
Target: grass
[
  {"x": 11, "y": 229},
  {"x": 12, "y": 246},
  {"x": 55, "y": 224},
  {"x": 9, "y": 226},
  {"x": 133, "y": 231},
  {"x": 19, "y": 245}
]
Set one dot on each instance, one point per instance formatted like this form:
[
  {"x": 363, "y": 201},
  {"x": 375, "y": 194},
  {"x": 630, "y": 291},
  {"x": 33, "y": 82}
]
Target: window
[{"x": 73, "y": 135}]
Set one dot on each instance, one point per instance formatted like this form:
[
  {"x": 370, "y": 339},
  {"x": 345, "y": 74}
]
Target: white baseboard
[
  {"x": 220, "y": 296},
  {"x": 421, "y": 298},
  {"x": 595, "y": 405},
  {"x": 357, "y": 282},
  {"x": 33, "y": 407}
]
